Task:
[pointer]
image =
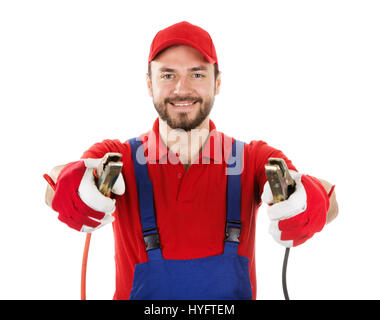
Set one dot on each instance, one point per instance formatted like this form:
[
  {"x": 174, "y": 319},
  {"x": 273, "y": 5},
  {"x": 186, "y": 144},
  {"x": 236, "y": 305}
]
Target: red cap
[{"x": 184, "y": 33}]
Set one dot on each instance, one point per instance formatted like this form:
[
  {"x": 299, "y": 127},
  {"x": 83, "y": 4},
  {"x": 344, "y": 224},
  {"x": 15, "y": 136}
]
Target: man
[{"x": 184, "y": 208}]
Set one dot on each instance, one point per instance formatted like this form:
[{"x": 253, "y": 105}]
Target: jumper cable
[
  {"x": 282, "y": 186},
  {"x": 106, "y": 175}
]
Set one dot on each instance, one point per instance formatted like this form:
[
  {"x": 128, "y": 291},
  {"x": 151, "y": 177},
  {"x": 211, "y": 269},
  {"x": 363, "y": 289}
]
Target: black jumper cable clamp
[{"x": 282, "y": 186}]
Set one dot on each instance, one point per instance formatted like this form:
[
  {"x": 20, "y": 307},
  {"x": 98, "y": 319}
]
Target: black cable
[{"x": 284, "y": 266}]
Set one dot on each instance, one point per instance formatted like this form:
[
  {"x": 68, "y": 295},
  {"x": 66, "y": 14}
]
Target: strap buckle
[
  {"x": 233, "y": 228},
  {"x": 152, "y": 240}
]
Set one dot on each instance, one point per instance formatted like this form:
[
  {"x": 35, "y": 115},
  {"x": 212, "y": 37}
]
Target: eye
[
  {"x": 168, "y": 76},
  {"x": 198, "y": 75}
]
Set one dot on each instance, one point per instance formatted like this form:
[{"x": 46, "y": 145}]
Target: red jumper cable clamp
[{"x": 106, "y": 175}]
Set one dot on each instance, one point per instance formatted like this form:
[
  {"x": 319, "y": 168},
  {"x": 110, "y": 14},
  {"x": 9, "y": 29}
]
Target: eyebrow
[{"x": 198, "y": 68}]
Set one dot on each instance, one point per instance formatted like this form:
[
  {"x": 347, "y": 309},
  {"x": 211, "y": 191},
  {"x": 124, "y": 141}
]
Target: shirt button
[{"x": 179, "y": 175}]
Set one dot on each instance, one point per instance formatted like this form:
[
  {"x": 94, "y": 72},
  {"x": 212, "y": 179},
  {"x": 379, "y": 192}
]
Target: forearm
[
  {"x": 49, "y": 194},
  {"x": 332, "y": 213}
]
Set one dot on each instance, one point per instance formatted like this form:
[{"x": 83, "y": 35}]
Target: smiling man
[
  {"x": 183, "y": 93},
  {"x": 184, "y": 207}
]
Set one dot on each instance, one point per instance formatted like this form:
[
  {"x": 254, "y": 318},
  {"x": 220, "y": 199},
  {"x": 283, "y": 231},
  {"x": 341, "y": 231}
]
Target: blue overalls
[{"x": 220, "y": 277}]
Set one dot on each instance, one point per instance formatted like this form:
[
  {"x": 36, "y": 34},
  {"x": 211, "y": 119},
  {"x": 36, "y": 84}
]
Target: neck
[{"x": 187, "y": 144}]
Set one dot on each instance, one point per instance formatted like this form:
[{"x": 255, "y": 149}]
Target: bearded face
[
  {"x": 183, "y": 86},
  {"x": 184, "y": 112}
]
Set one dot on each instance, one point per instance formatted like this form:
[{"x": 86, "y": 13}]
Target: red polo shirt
[{"x": 190, "y": 205}]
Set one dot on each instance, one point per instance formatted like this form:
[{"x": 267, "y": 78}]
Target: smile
[{"x": 183, "y": 104}]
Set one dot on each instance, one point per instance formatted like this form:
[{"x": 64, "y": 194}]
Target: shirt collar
[{"x": 211, "y": 150}]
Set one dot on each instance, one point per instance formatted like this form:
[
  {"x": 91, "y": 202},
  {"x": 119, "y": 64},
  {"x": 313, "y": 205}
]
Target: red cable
[
  {"x": 84, "y": 267},
  {"x": 331, "y": 190},
  {"x": 50, "y": 181},
  {"x": 85, "y": 251}
]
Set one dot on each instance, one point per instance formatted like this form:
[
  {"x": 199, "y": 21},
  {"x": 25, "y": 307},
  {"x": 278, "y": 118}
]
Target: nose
[{"x": 182, "y": 86}]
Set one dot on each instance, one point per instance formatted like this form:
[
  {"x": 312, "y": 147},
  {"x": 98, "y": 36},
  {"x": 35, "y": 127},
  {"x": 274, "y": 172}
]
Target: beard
[{"x": 182, "y": 120}]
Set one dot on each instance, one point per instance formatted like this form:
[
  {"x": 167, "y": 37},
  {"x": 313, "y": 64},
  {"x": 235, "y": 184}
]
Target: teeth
[{"x": 183, "y": 104}]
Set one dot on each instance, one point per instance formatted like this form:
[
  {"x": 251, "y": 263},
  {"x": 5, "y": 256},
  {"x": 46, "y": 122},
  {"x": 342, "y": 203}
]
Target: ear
[
  {"x": 217, "y": 83},
  {"x": 149, "y": 85}
]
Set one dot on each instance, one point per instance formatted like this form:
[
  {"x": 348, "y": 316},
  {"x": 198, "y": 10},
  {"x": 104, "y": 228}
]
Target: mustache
[{"x": 181, "y": 99}]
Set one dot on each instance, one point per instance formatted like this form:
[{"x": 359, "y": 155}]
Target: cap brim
[{"x": 173, "y": 42}]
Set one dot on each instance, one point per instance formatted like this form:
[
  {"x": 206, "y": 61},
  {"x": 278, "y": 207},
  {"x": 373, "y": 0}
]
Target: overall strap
[
  {"x": 234, "y": 170},
  {"x": 146, "y": 201}
]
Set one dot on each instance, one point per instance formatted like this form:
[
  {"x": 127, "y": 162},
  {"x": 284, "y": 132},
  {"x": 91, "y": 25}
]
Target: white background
[{"x": 303, "y": 76}]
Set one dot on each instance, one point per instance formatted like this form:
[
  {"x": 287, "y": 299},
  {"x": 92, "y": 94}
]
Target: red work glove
[
  {"x": 77, "y": 199},
  {"x": 297, "y": 219}
]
